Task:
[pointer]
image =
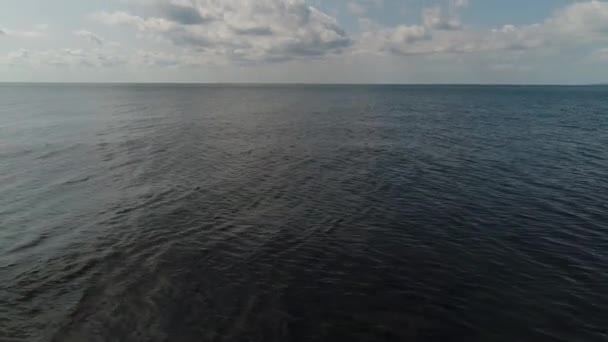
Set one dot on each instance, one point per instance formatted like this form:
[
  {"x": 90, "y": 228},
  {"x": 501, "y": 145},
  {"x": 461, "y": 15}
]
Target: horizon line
[{"x": 299, "y": 83}]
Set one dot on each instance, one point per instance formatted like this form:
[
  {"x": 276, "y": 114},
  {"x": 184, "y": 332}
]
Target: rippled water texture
[{"x": 303, "y": 213}]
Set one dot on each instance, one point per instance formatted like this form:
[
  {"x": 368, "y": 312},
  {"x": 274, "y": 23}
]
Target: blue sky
[{"x": 318, "y": 41}]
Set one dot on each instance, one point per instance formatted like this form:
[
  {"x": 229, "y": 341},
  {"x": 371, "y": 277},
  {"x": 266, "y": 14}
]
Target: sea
[{"x": 183, "y": 212}]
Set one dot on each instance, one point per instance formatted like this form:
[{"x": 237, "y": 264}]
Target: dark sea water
[{"x": 303, "y": 213}]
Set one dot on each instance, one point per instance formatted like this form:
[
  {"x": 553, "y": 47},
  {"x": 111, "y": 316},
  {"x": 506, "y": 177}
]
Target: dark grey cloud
[
  {"x": 313, "y": 48},
  {"x": 253, "y": 31},
  {"x": 185, "y": 15}
]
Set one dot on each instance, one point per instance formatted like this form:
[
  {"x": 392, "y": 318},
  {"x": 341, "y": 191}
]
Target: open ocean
[{"x": 303, "y": 213}]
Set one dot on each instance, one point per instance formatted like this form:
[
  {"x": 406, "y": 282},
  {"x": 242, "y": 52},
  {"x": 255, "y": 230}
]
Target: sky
[{"x": 305, "y": 41}]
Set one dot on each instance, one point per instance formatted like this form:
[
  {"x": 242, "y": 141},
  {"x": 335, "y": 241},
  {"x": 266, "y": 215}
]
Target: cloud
[
  {"x": 246, "y": 31},
  {"x": 38, "y": 32},
  {"x": 581, "y": 20},
  {"x": 253, "y": 31},
  {"x": 156, "y": 59},
  {"x": 108, "y": 56},
  {"x": 182, "y": 13},
  {"x": 445, "y": 17},
  {"x": 577, "y": 24},
  {"x": 123, "y": 18},
  {"x": 17, "y": 57},
  {"x": 194, "y": 33},
  {"x": 241, "y": 30},
  {"x": 90, "y": 36},
  {"x": 435, "y": 18},
  {"x": 67, "y": 57}
]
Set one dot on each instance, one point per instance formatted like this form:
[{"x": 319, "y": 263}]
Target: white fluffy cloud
[
  {"x": 402, "y": 39},
  {"x": 442, "y": 32},
  {"x": 209, "y": 33},
  {"x": 280, "y": 30},
  {"x": 444, "y": 18},
  {"x": 241, "y": 30},
  {"x": 39, "y": 31},
  {"x": 580, "y": 21}
]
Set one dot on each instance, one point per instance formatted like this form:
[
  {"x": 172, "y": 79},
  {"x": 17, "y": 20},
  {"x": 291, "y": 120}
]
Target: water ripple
[{"x": 303, "y": 213}]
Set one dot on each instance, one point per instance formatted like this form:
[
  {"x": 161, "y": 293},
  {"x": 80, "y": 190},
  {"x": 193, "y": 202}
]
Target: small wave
[
  {"x": 79, "y": 180},
  {"x": 38, "y": 240}
]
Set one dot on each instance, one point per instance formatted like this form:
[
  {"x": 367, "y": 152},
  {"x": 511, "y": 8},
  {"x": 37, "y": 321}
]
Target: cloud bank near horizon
[{"x": 298, "y": 40}]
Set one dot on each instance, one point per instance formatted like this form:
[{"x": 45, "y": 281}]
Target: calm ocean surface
[{"x": 303, "y": 213}]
